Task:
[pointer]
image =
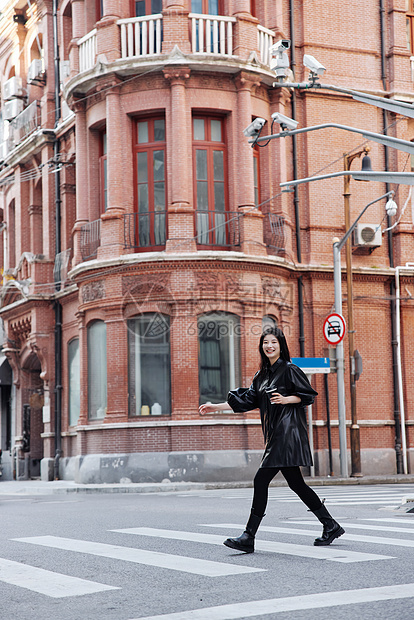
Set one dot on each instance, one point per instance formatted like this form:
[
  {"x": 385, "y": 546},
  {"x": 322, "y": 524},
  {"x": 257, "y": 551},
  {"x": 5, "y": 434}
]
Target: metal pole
[
  {"x": 340, "y": 369},
  {"x": 355, "y": 437},
  {"x": 328, "y": 423},
  {"x": 400, "y": 383}
]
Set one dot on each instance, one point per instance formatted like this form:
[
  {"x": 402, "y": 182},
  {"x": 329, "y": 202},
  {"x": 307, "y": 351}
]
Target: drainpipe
[
  {"x": 58, "y": 248},
  {"x": 394, "y": 342},
  {"x": 296, "y": 190}
]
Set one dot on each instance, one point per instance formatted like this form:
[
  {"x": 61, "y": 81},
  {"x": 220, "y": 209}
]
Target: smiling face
[{"x": 271, "y": 348}]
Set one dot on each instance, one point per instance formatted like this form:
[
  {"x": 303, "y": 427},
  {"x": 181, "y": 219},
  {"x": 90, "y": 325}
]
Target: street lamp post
[
  {"x": 354, "y": 434},
  {"x": 340, "y": 370}
]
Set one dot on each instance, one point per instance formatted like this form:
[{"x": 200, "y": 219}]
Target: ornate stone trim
[{"x": 93, "y": 291}]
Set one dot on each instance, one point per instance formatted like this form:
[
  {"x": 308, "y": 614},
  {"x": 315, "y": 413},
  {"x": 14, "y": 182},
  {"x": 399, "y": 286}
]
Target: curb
[{"x": 60, "y": 487}]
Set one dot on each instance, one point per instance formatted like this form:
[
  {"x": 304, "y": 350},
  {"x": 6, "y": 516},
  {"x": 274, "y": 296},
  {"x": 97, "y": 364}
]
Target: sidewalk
[{"x": 59, "y": 487}]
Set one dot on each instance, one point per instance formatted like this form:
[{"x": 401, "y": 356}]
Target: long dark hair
[{"x": 284, "y": 349}]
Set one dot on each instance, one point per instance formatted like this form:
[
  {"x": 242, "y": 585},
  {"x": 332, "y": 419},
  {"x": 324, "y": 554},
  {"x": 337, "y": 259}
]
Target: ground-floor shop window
[
  {"x": 149, "y": 372},
  {"x": 219, "y": 355},
  {"x": 97, "y": 372},
  {"x": 74, "y": 381}
]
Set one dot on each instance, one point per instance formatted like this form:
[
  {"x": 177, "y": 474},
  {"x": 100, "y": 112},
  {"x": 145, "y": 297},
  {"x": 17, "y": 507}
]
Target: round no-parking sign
[{"x": 334, "y": 328}]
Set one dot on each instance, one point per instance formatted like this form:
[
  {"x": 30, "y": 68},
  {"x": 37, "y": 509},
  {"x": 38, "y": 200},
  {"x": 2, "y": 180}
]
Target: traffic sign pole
[{"x": 340, "y": 367}]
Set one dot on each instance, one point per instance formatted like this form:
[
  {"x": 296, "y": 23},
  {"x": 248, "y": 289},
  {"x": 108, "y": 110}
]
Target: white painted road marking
[
  {"x": 376, "y": 540},
  {"x": 356, "y": 502},
  {"x": 206, "y": 568},
  {"x": 401, "y": 520},
  {"x": 47, "y": 582},
  {"x": 362, "y": 526},
  {"x": 292, "y": 603},
  {"x": 319, "y": 553}
]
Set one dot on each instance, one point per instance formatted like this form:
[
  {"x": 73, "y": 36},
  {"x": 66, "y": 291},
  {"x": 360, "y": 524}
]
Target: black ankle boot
[
  {"x": 331, "y": 529},
  {"x": 245, "y": 542}
]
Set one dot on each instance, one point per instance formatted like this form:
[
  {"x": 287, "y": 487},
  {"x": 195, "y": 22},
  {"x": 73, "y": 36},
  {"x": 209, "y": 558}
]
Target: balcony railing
[
  {"x": 26, "y": 122},
  {"x": 211, "y": 34},
  {"x": 274, "y": 232},
  {"x": 141, "y": 36},
  {"x": 144, "y": 230},
  {"x": 87, "y": 51},
  {"x": 60, "y": 269},
  {"x": 90, "y": 239},
  {"x": 215, "y": 228},
  {"x": 265, "y": 40}
]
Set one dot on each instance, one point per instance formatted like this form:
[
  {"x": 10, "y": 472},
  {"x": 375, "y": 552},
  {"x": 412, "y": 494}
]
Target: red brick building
[{"x": 145, "y": 242}]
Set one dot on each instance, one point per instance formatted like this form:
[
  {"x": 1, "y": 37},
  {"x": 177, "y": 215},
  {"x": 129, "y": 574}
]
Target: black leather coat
[{"x": 284, "y": 426}]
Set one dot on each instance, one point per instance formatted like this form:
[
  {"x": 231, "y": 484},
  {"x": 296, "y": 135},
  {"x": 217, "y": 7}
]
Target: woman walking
[{"x": 281, "y": 391}]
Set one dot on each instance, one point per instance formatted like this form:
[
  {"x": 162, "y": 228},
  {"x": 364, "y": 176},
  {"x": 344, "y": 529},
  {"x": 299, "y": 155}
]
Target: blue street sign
[{"x": 313, "y": 365}]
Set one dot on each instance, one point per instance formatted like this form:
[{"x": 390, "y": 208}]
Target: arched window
[
  {"x": 268, "y": 321},
  {"x": 219, "y": 355},
  {"x": 149, "y": 365},
  {"x": 74, "y": 381},
  {"x": 97, "y": 372}
]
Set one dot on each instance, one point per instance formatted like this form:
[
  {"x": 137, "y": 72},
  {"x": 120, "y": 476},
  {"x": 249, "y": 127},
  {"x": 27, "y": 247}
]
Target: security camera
[
  {"x": 280, "y": 46},
  {"x": 284, "y": 121},
  {"x": 313, "y": 65},
  {"x": 279, "y": 62},
  {"x": 253, "y": 130},
  {"x": 391, "y": 207}
]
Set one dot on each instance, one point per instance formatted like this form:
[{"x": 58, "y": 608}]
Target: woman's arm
[
  {"x": 278, "y": 399},
  {"x": 212, "y": 407}
]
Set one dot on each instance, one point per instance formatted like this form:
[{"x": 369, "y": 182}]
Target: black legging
[{"x": 293, "y": 477}]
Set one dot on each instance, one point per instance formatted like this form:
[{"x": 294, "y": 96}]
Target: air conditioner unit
[
  {"x": 35, "y": 73},
  {"x": 13, "y": 88},
  {"x": 12, "y": 109},
  {"x": 4, "y": 150},
  {"x": 368, "y": 235}
]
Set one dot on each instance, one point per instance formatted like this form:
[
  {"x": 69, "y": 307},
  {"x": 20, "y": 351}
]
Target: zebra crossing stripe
[
  {"x": 47, "y": 582},
  {"x": 362, "y": 526},
  {"x": 376, "y": 540},
  {"x": 292, "y": 603},
  {"x": 319, "y": 553},
  {"x": 357, "y": 502},
  {"x": 207, "y": 568},
  {"x": 401, "y": 521}
]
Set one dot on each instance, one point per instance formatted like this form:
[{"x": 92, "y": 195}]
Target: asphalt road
[{"x": 160, "y": 556}]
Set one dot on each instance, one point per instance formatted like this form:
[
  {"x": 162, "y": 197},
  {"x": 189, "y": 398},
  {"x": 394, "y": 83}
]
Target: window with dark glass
[
  {"x": 140, "y": 8},
  {"x": 268, "y": 321},
  {"x": 97, "y": 371},
  {"x": 219, "y": 355},
  {"x": 103, "y": 172},
  {"x": 256, "y": 175},
  {"x": 150, "y": 182},
  {"x": 210, "y": 189},
  {"x": 410, "y": 25},
  {"x": 74, "y": 381},
  {"x": 149, "y": 365},
  {"x": 99, "y": 9},
  {"x": 206, "y": 7}
]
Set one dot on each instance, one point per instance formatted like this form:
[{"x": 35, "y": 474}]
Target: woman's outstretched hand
[{"x": 212, "y": 407}]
